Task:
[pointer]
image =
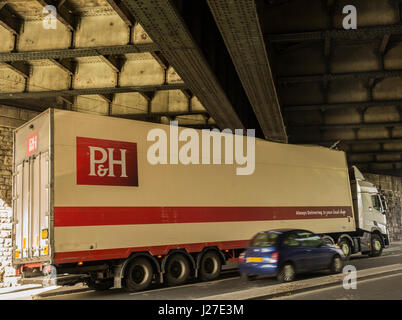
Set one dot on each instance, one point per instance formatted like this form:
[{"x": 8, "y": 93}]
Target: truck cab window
[{"x": 376, "y": 202}]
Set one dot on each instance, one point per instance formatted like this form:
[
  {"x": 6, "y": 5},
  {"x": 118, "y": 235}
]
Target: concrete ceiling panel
[
  {"x": 48, "y": 77},
  {"x": 389, "y": 156},
  {"x": 102, "y": 31},
  {"x": 35, "y": 37},
  {"x": 141, "y": 69},
  {"x": 344, "y": 116},
  {"x": 388, "y": 89},
  {"x": 129, "y": 103},
  {"x": 392, "y": 59},
  {"x": 139, "y": 36},
  {"x": 369, "y": 133},
  {"x": 363, "y": 147},
  {"x": 7, "y": 40},
  {"x": 308, "y": 60},
  {"x": 310, "y": 117},
  {"x": 173, "y": 77},
  {"x": 169, "y": 101},
  {"x": 11, "y": 81},
  {"x": 94, "y": 73},
  {"x": 381, "y": 114},
  {"x": 196, "y": 105},
  {"x": 364, "y": 157},
  {"x": 391, "y": 146},
  {"x": 28, "y": 10},
  {"x": 91, "y": 104},
  {"x": 369, "y": 13},
  {"x": 381, "y": 166},
  {"x": 301, "y": 93},
  {"x": 338, "y": 134},
  {"x": 355, "y": 58},
  {"x": 87, "y": 5},
  {"x": 195, "y": 119},
  {"x": 315, "y": 18},
  {"x": 347, "y": 90},
  {"x": 397, "y": 132}
]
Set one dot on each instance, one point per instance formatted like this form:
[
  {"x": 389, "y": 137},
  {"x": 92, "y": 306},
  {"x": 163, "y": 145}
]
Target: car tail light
[{"x": 272, "y": 259}]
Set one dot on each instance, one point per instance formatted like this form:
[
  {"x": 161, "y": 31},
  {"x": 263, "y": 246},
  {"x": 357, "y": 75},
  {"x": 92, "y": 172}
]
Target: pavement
[{"x": 370, "y": 271}]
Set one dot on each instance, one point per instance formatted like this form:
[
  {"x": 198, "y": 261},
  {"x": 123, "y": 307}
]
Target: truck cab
[{"x": 370, "y": 208}]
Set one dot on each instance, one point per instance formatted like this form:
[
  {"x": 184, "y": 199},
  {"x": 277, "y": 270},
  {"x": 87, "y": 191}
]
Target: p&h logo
[{"x": 106, "y": 162}]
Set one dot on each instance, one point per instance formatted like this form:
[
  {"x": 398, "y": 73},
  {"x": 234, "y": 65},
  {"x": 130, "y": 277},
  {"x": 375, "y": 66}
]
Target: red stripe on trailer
[
  {"x": 97, "y": 216},
  {"x": 122, "y": 253}
]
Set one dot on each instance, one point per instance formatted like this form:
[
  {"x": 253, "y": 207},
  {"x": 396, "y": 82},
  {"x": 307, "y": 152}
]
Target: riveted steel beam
[
  {"x": 122, "y": 11},
  {"x": 78, "y": 52},
  {"x": 88, "y": 91},
  {"x": 239, "y": 25},
  {"x": 165, "y": 26}
]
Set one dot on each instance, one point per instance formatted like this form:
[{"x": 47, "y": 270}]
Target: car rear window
[{"x": 264, "y": 240}]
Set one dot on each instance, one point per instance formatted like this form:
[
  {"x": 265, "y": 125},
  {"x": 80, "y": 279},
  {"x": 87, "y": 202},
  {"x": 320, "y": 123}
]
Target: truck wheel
[
  {"x": 210, "y": 266},
  {"x": 286, "y": 273},
  {"x": 138, "y": 275},
  {"x": 177, "y": 270},
  {"x": 346, "y": 248},
  {"x": 376, "y": 246},
  {"x": 336, "y": 264},
  {"x": 99, "y": 285}
]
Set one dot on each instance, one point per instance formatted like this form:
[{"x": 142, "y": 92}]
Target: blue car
[{"x": 285, "y": 252}]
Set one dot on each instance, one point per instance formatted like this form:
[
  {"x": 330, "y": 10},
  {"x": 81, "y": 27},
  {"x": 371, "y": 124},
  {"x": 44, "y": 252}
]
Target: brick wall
[{"x": 392, "y": 188}]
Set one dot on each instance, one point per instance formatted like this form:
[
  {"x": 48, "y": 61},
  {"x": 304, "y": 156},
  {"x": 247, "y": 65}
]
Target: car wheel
[
  {"x": 336, "y": 264},
  {"x": 287, "y": 273},
  {"x": 346, "y": 248},
  {"x": 376, "y": 246},
  {"x": 99, "y": 285}
]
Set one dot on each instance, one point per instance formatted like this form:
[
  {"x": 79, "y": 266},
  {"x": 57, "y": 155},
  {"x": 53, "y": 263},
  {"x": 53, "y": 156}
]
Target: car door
[
  {"x": 315, "y": 256},
  {"x": 292, "y": 250}
]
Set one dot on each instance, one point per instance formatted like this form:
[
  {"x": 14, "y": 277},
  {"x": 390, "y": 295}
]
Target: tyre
[
  {"x": 99, "y": 285},
  {"x": 287, "y": 273},
  {"x": 346, "y": 247},
  {"x": 138, "y": 275},
  {"x": 177, "y": 270},
  {"x": 210, "y": 266},
  {"x": 336, "y": 264},
  {"x": 376, "y": 245},
  {"x": 327, "y": 240}
]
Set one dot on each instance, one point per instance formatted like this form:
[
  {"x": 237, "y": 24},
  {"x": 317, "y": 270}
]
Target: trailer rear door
[{"x": 31, "y": 191}]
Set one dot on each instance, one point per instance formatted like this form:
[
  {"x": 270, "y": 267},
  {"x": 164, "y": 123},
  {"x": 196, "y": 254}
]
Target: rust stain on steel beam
[
  {"x": 167, "y": 29},
  {"x": 239, "y": 25}
]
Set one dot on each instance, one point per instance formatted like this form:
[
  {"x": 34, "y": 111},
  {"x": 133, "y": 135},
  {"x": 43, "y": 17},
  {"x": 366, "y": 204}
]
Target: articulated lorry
[{"x": 124, "y": 203}]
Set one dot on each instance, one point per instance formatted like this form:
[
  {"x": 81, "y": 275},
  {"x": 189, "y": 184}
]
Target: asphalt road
[{"x": 382, "y": 288}]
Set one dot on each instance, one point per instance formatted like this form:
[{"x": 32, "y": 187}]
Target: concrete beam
[
  {"x": 78, "y": 52},
  {"x": 20, "y": 67},
  {"x": 9, "y": 19},
  {"x": 239, "y": 25},
  {"x": 166, "y": 28},
  {"x": 64, "y": 14},
  {"x": 88, "y": 91}
]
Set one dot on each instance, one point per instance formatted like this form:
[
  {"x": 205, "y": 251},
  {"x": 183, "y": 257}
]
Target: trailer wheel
[
  {"x": 210, "y": 266},
  {"x": 376, "y": 246},
  {"x": 346, "y": 247},
  {"x": 177, "y": 270},
  {"x": 138, "y": 275}
]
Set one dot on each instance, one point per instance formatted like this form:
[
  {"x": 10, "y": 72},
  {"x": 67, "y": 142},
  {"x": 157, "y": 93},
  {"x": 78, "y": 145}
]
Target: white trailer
[{"x": 90, "y": 199}]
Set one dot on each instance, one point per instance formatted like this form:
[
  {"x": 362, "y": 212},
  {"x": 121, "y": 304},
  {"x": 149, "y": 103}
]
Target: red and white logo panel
[
  {"x": 32, "y": 144},
  {"x": 106, "y": 162}
]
